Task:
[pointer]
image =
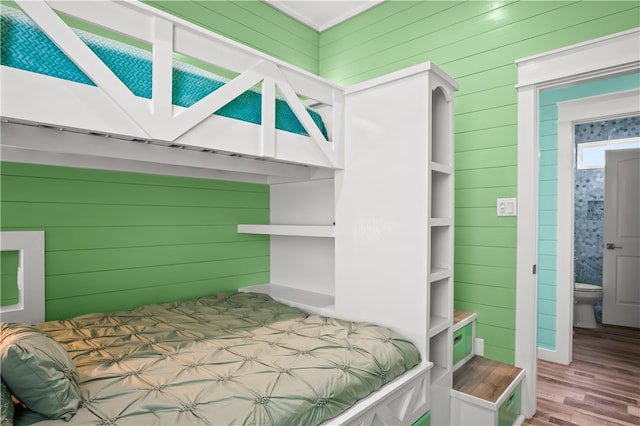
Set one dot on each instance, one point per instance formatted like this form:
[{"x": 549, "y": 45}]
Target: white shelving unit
[
  {"x": 394, "y": 220},
  {"x": 302, "y": 245},
  {"x": 378, "y": 236}
]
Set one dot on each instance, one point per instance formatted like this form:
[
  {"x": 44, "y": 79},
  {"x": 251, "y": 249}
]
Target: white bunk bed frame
[
  {"x": 107, "y": 127},
  {"x": 110, "y": 109}
]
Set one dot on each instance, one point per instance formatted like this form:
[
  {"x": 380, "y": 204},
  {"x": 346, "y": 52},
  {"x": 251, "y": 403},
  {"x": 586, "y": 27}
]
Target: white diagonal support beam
[
  {"x": 190, "y": 117},
  {"x": 270, "y": 70},
  {"x": 81, "y": 55}
]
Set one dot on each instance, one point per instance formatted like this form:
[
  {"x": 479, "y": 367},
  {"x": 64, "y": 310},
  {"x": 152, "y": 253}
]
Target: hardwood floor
[{"x": 600, "y": 387}]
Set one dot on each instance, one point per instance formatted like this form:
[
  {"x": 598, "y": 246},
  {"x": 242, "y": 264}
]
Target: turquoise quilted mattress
[{"x": 25, "y": 46}]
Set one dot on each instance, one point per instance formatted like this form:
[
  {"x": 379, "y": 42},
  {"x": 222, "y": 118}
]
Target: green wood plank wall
[
  {"x": 115, "y": 240},
  {"x": 477, "y": 43},
  {"x": 252, "y": 23},
  {"x": 9, "y": 261}
]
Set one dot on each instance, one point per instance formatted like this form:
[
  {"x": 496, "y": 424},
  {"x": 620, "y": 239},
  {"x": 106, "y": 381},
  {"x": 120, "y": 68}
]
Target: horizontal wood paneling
[
  {"x": 253, "y": 23},
  {"x": 497, "y": 237},
  {"x": 116, "y": 280},
  {"x": 485, "y": 275},
  {"x": 485, "y": 294},
  {"x": 134, "y": 297},
  {"x": 114, "y": 240},
  {"x": 477, "y": 43},
  {"x": 9, "y": 260}
]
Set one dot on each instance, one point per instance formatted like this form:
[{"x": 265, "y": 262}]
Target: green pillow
[
  {"x": 7, "y": 406},
  {"x": 38, "y": 371}
]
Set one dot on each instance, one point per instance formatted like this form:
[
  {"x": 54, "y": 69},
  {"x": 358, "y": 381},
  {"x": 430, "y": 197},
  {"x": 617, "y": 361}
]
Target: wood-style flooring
[{"x": 600, "y": 387}]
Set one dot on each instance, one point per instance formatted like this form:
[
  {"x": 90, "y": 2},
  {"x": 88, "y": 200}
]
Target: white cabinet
[{"x": 394, "y": 214}]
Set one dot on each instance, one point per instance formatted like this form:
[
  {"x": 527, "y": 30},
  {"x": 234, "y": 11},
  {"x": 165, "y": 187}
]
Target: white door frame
[
  {"x": 599, "y": 58},
  {"x": 570, "y": 113}
]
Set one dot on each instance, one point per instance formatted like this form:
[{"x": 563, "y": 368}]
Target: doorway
[
  {"x": 602, "y": 58},
  {"x": 606, "y": 110}
]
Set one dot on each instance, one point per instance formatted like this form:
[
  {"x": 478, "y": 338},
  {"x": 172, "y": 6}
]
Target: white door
[{"x": 621, "y": 264}]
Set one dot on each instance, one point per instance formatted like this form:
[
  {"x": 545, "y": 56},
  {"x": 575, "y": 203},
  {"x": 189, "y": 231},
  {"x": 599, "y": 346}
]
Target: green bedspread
[{"x": 225, "y": 359}]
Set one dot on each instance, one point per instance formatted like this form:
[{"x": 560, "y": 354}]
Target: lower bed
[{"x": 224, "y": 359}]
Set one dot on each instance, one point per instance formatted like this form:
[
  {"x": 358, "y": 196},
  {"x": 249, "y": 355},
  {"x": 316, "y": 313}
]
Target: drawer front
[
  {"x": 425, "y": 420},
  {"x": 510, "y": 408},
  {"x": 462, "y": 343}
]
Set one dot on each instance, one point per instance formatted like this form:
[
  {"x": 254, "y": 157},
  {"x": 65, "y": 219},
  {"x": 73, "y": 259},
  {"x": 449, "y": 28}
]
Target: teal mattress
[{"x": 25, "y": 46}]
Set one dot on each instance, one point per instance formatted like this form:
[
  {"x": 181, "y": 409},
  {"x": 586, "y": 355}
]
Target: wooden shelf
[
  {"x": 462, "y": 318},
  {"x": 308, "y": 301},
  {"x": 323, "y": 231}
]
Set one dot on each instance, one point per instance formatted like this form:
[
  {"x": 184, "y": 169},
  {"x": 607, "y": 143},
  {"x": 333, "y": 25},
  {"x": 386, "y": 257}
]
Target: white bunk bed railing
[{"x": 157, "y": 119}]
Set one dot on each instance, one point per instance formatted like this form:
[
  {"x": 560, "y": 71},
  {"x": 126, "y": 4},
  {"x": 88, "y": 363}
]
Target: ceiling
[{"x": 322, "y": 14}]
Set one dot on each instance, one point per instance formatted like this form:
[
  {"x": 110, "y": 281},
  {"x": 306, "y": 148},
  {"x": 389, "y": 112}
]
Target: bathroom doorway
[
  {"x": 601, "y": 120},
  {"x": 603, "y": 65}
]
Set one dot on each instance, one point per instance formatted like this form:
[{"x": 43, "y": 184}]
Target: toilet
[{"x": 584, "y": 296}]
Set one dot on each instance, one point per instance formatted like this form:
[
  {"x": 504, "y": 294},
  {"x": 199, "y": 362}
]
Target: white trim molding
[
  {"x": 603, "y": 57},
  {"x": 30, "y": 306}
]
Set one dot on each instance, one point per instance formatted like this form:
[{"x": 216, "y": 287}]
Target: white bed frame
[
  {"x": 107, "y": 127},
  {"x": 110, "y": 109}
]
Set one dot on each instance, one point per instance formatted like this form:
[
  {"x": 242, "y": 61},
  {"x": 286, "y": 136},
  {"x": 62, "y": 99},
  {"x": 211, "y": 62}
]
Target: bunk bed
[
  {"x": 73, "y": 80},
  {"x": 91, "y": 114}
]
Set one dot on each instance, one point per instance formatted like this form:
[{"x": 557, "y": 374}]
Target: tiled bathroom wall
[{"x": 589, "y": 201}]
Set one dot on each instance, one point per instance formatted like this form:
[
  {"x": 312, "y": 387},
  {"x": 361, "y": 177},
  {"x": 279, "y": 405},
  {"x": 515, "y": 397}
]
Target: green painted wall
[
  {"x": 253, "y": 23},
  {"x": 115, "y": 240},
  {"x": 476, "y": 43},
  {"x": 9, "y": 261}
]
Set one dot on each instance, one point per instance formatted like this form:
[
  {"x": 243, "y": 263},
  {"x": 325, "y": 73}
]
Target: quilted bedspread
[{"x": 230, "y": 358}]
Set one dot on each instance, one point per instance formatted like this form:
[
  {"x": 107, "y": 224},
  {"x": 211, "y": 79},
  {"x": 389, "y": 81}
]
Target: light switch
[{"x": 506, "y": 207}]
